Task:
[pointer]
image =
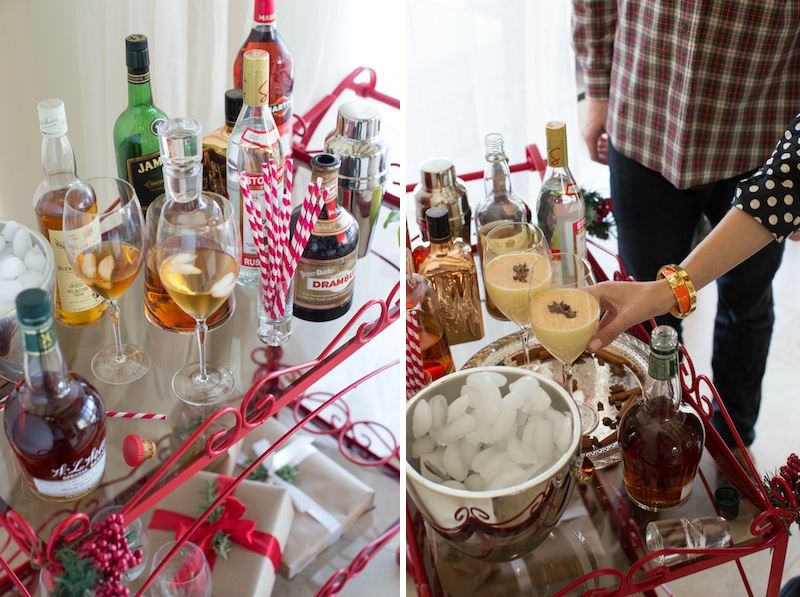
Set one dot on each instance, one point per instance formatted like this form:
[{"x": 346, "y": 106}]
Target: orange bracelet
[{"x": 683, "y": 289}]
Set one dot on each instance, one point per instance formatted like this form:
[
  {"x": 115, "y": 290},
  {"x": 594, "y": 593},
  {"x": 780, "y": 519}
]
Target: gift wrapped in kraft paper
[
  {"x": 256, "y": 520},
  {"x": 327, "y": 498}
]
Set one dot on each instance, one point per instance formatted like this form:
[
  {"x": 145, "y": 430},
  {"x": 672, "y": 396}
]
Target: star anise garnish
[
  {"x": 562, "y": 308},
  {"x": 521, "y": 271}
]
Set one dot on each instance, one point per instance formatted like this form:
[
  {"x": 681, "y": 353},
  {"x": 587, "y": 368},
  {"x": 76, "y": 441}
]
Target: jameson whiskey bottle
[
  {"x": 55, "y": 420},
  {"x": 75, "y": 303},
  {"x": 501, "y": 205},
  {"x": 661, "y": 437},
  {"x": 560, "y": 210},
  {"x": 254, "y": 141},
  {"x": 420, "y": 297},
  {"x": 135, "y": 139},
  {"x": 265, "y": 36},
  {"x": 215, "y": 146},
  {"x": 450, "y": 268},
  {"x": 325, "y": 275}
]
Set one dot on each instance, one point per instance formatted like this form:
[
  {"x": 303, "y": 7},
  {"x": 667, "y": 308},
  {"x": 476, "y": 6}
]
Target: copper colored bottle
[{"x": 215, "y": 146}]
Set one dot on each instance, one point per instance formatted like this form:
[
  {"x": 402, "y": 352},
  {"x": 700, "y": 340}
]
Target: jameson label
[
  {"x": 144, "y": 173},
  {"x": 41, "y": 340},
  {"x": 214, "y": 171},
  {"x": 74, "y": 294},
  {"x": 75, "y": 478},
  {"x": 324, "y": 284}
]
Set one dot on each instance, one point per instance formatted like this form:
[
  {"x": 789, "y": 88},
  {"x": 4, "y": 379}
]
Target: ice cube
[
  {"x": 543, "y": 440},
  {"x": 35, "y": 260},
  {"x": 11, "y": 267},
  {"x": 421, "y": 419},
  {"x": 457, "y": 429},
  {"x": 9, "y": 289},
  {"x": 2, "y": 242},
  {"x": 10, "y": 230},
  {"x": 539, "y": 400},
  {"x": 557, "y": 419},
  {"x": 428, "y": 474},
  {"x": 457, "y": 408},
  {"x": 480, "y": 460},
  {"x": 508, "y": 477},
  {"x": 497, "y": 463},
  {"x": 468, "y": 450},
  {"x": 453, "y": 464},
  {"x": 565, "y": 435},
  {"x": 503, "y": 423},
  {"x": 30, "y": 279},
  {"x": 473, "y": 437},
  {"x": 475, "y": 482},
  {"x": 454, "y": 485},
  {"x": 528, "y": 432},
  {"x": 522, "y": 418},
  {"x": 434, "y": 459},
  {"x": 21, "y": 243},
  {"x": 521, "y": 454},
  {"x": 223, "y": 287},
  {"x": 438, "y": 411},
  {"x": 476, "y": 380},
  {"x": 524, "y": 385},
  {"x": 514, "y": 398},
  {"x": 422, "y": 446}
]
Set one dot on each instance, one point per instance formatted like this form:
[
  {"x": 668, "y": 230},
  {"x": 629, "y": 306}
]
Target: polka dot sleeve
[{"x": 771, "y": 194}]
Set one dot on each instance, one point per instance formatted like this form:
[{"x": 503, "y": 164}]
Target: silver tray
[{"x": 594, "y": 376}]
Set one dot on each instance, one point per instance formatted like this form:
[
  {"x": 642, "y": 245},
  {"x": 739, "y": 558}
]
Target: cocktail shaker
[
  {"x": 362, "y": 175},
  {"x": 440, "y": 187}
]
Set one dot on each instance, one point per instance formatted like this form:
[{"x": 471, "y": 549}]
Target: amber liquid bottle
[
  {"x": 421, "y": 298},
  {"x": 661, "y": 437},
  {"x": 450, "y": 268},
  {"x": 55, "y": 420},
  {"x": 215, "y": 146},
  {"x": 75, "y": 303},
  {"x": 265, "y": 36},
  {"x": 325, "y": 276}
]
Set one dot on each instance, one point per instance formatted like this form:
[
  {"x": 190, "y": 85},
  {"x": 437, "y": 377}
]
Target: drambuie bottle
[{"x": 325, "y": 275}]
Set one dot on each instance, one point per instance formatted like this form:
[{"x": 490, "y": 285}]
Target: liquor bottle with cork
[
  {"x": 55, "y": 421},
  {"x": 450, "y": 268},
  {"x": 135, "y": 139},
  {"x": 75, "y": 303},
  {"x": 215, "y": 146},
  {"x": 501, "y": 205},
  {"x": 254, "y": 140},
  {"x": 325, "y": 276},
  {"x": 421, "y": 298},
  {"x": 560, "y": 209},
  {"x": 265, "y": 36},
  {"x": 180, "y": 153},
  {"x": 661, "y": 437}
]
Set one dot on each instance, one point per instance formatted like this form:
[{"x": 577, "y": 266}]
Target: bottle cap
[
  {"x": 357, "y": 120},
  {"x": 323, "y": 162},
  {"x": 726, "y": 499},
  {"x": 180, "y": 141},
  {"x": 52, "y": 117},
  {"x": 556, "y": 133},
  {"x": 135, "y": 450},
  {"x": 438, "y": 219},
  {"x": 137, "y": 57},
  {"x": 234, "y": 99},
  {"x": 437, "y": 173},
  {"x": 255, "y": 78},
  {"x": 33, "y": 307}
]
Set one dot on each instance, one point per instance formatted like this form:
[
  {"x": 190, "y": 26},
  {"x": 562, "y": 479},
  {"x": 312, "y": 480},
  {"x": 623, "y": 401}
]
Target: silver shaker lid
[
  {"x": 357, "y": 120},
  {"x": 357, "y": 141},
  {"x": 437, "y": 173}
]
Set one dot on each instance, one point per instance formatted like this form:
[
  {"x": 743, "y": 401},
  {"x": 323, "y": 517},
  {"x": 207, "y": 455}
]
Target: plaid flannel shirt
[{"x": 698, "y": 90}]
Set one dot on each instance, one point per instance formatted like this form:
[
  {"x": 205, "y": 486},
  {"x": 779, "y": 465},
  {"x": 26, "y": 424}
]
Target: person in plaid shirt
[{"x": 685, "y": 99}]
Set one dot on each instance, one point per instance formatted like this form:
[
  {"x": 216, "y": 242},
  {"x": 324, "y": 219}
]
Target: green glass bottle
[{"x": 135, "y": 138}]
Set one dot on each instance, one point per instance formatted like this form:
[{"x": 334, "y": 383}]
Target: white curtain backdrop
[
  {"x": 476, "y": 67},
  {"x": 75, "y": 50}
]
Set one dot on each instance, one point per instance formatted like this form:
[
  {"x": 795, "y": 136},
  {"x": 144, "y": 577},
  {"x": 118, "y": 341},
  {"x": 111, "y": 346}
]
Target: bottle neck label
[
  {"x": 663, "y": 367},
  {"x": 40, "y": 340},
  {"x": 139, "y": 78},
  {"x": 264, "y": 12}
]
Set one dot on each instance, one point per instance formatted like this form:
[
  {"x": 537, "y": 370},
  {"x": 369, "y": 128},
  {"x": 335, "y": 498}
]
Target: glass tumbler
[
  {"x": 274, "y": 327},
  {"x": 706, "y": 532}
]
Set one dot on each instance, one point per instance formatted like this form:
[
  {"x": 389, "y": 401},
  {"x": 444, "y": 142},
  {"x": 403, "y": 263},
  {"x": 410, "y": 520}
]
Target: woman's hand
[{"x": 626, "y": 304}]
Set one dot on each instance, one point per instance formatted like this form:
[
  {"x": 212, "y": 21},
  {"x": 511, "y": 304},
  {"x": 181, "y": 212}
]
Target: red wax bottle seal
[{"x": 135, "y": 450}]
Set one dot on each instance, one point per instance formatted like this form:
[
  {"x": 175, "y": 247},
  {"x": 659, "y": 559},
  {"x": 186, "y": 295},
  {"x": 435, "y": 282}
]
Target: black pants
[{"x": 656, "y": 224}]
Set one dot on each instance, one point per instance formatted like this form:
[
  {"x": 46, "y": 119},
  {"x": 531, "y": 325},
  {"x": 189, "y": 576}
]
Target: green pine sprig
[
  {"x": 289, "y": 473},
  {"x": 80, "y": 576},
  {"x": 221, "y": 543}
]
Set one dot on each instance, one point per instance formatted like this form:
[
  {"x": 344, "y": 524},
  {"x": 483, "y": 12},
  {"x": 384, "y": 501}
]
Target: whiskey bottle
[
  {"x": 560, "y": 209},
  {"x": 661, "y": 437},
  {"x": 325, "y": 276},
  {"x": 450, "y": 268},
  {"x": 254, "y": 140},
  {"x": 215, "y": 146},
  {"x": 264, "y": 35},
  {"x": 55, "y": 420},
  {"x": 420, "y": 297},
  {"x": 180, "y": 153},
  {"x": 135, "y": 137},
  {"x": 75, "y": 303},
  {"x": 501, "y": 205}
]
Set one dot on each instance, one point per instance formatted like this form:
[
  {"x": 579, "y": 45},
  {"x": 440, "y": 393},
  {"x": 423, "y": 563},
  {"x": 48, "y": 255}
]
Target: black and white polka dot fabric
[{"x": 772, "y": 194}]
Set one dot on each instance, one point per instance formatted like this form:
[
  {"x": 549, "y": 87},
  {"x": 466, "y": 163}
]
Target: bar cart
[
  {"x": 598, "y": 546},
  {"x": 311, "y": 383}
]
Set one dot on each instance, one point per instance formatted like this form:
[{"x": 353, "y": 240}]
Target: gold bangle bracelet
[{"x": 683, "y": 289}]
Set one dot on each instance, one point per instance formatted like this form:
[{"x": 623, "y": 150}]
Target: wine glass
[
  {"x": 512, "y": 253},
  {"x": 564, "y": 317},
  {"x": 198, "y": 256},
  {"x": 105, "y": 243},
  {"x": 186, "y": 575}
]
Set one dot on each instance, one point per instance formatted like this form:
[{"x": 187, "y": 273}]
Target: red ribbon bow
[{"x": 242, "y": 531}]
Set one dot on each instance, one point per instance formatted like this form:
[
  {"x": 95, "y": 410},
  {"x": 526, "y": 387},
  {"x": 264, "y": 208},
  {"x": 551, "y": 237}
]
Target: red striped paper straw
[
  {"x": 271, "y": 238},
  {"x": 256, "y": 225},
  {"x": 123, "y": 414},
  {"x": 415, "y": 372},
  {"x": 305, "y": 224},
  {"x": 279, "y": 299},
  {"x": 288, "y": 176}
]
